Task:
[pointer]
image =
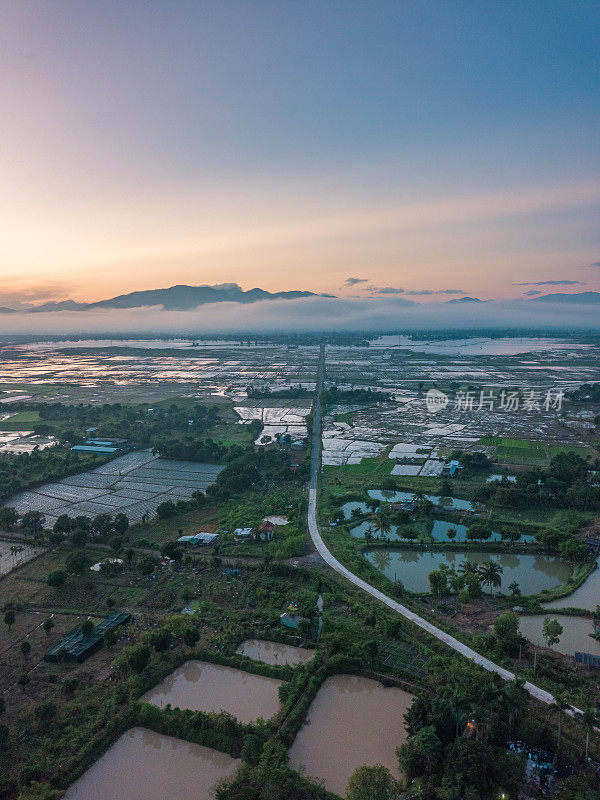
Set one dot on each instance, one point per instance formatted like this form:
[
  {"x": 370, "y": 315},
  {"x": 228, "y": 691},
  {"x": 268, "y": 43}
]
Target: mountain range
[
  {"x": 175, "y": 298},
  {"x": 186, "y": 298}
]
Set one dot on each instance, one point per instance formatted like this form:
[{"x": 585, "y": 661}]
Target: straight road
[{"x": 535, "y": 691}]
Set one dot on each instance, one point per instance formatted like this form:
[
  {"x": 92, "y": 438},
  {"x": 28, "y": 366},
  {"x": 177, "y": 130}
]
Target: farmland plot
[{"x": 134, "y": 484}]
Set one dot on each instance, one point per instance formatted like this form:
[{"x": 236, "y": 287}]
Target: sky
[{"x": 421, "y": 150}]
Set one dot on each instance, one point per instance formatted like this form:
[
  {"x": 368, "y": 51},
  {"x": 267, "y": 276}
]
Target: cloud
[
  {"x": 532, "y": 293},
  {"x": 313, "y": 314},
  {"x": 385, "y": 290},
  {"x": 551, "y": 283},
  {"x": 354, "y": 281},
  {"x": 415, "y": 292},
  {"x": 15, "y": 295}
]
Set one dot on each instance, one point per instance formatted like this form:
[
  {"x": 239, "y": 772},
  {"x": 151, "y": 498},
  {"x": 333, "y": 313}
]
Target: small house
[
  {"x": 451, "y": 468},
  {"x": 264, "y": 531}
]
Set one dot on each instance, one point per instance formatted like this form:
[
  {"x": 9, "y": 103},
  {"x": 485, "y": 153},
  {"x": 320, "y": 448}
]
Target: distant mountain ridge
[
  {"x": 466, "y": 300},
  {"x": 185, "y": 298},
  {"x": 587, "y": 298},
  {"x": 178, "y": 298}
]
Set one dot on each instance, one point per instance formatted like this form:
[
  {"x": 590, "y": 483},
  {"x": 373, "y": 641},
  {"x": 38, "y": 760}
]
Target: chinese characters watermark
[{"x": 492, "y": 400}]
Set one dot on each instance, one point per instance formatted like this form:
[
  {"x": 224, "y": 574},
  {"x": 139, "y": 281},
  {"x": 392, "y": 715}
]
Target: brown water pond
[
  {"x": 575, "y": 635},
  {"x": 143, "y": 765},
  {"x": 352, "y": 721},
  {"x": 274, "y": 652},
  {"x": 202, "y": 686}
]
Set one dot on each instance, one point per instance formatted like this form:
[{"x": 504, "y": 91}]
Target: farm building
[
  {"x": 78, "y": 647},
  {"x": 198, "y": 539},
  {"x": 264, "y": 531},
  {"x": 451, "y": 468}
]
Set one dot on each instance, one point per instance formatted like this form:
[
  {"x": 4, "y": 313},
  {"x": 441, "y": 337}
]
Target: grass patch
[
  {"x": 22, "y": 421},
  {"x": 526, "y": 452}
]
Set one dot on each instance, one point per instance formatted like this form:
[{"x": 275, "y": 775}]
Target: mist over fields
[{"x": 314, "y": 313}]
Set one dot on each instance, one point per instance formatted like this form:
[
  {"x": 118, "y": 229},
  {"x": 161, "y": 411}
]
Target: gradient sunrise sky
[{"x": 421, "y": 146}]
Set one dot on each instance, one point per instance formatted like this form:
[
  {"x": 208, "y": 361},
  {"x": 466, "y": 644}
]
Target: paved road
[{"x": 535, "y": 691}]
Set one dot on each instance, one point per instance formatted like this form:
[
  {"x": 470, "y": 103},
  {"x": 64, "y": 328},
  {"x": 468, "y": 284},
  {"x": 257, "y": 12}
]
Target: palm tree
[
  {"x": 590, "y": 720},
  {"x": 491, "y": 574},
  {"x": 516, "y": 700},
  {"x": 383, "y": 524},
  {"x": 560, "y": 704},
  {"x": 466, "y": 566}
]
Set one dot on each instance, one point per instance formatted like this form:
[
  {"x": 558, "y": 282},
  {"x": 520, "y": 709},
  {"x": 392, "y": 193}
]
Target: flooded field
[
  {"x": 533, "y": 573},
  {"x": 274, "y": 652},
  {"x": 202, "y": 686},
  {"x": 207, "y": 367},
  {"x": 575, "y": 635},
  {"x": 135, "y": 484},
  {"x": 143, "y": 765},
  {"x": 352, "y": 721}
]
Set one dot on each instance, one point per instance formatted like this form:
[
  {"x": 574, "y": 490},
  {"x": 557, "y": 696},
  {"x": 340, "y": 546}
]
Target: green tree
[
  {"x": 138, "y": 658},
  {"x": 44, "y": 712},
  {"x": 76, "y": 562},
  {"x": 191, "y": 637},
  {"x": 438, "y": 582},
  {"x": 421, "y": 754},
  {"x": 552, "y": 631},
  {"x": 383, "y": 523},
  {"x": 506, "y": 629},
  {"x": 9, "y": 618},
  {"x": 87, "y": 627},
  {"x": 561, "y": 703},
  {"x": 23, "y": 680},
  {"x": 590, "y": 721},
  {"x": 110, "y": 637},
  {"x": 47, "y": 625},
  {"x": 372, "y": 783},
  {"x": 491, "y": 574},
  {"x": 57, "y": 578},
  {"x": 25, "y": 648}
]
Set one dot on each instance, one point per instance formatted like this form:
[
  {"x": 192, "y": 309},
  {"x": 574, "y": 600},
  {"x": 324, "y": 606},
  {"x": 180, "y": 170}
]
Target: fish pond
[
  {"x": 352, "y": 721},
  {"x": 586, "y": 596},
  {"x": 439, "y": 532},
  {"x": 575, "y": 636},
  {"x": 144, "y": 765},
  {"x": 202, "y": 686},
  {"x": 274, "y": 652},
  {"x": 451, "y": 503},
  {"x": 533, "y": 572}
]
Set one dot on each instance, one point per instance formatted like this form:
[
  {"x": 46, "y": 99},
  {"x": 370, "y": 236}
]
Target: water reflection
[
  {"x": 202, "y": 686},
  {"x": 274, "y": 652},
  {"x": 533, "y": 573},
  {"x": 587, "y": 596},
  {"x": 575, "y": 635}
]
